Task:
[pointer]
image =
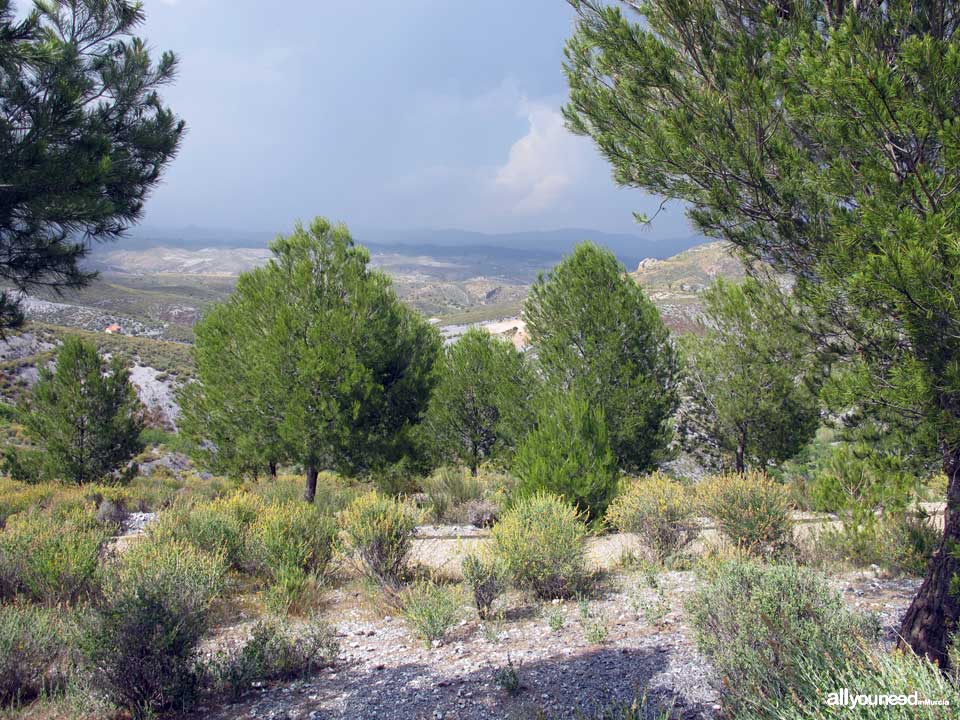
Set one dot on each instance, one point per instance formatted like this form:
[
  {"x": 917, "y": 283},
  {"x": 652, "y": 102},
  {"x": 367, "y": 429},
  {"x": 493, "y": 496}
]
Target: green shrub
[
  {"x": 901, "y": 541},
  {"x": 752, "y": 510},
  {"x": 540, "y": 542},
  {"x": 485, "y": 576},
  {"x": 142, "y": 637},
  {"x": 658, "y": 510},
  {"x": 897, "y": 673},
  {"x": 569, "y": 454},
  {"x": 909, "y": 540},
  {"x": 293, "y": 536},
  {"x": 275, "y": 651},
  {"x": 292, "y": 545},
  {"x": 432, "y": 609},
  {"x": 376, "y": 532},
  {"x": 762, "y": 626},
  {"x": 219, "y": 526},
  {"x": 451, "y": 488},
  {"x": 33, "y": 650},
  {"x": 49, "y": 559}
]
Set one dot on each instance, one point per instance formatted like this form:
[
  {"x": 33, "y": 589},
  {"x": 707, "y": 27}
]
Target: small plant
[
  {"x": 32, "y": 650},
  {"x": 752, "y": 510},
  {"x": 485, "y": 577},
  {"x": 594, "y": 628},
  {"x": 431, "y": 608},
  {"x": 376, "y": 533},
  {"x": 556, "y": 618},
  {"x": 451, "y": 488},
  {"x": 595, "y": 631},
  {"x": 142, "y": 636},
  {"x": 659, "y": 511},
  {"x": 655, "y": 611},
  {"x": 540, "y": 542},
  {"x": 507, "y": 678},
  {"x": 275, "y": 651}
]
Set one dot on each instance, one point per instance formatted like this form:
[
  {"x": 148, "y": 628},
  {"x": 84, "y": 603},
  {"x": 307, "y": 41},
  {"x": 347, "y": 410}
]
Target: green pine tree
[
  {"x": 314, "y": 360},
  {"x": 84, "y": 414},
  {"x": 750, "y": 381},
  {"x": 820, "y": 138},
  {"x": 595, "y": 332},
  {"x": 480, "y": 406},
  {"x": 568, "y": 454},
  {"x": 84, "y": 136}
]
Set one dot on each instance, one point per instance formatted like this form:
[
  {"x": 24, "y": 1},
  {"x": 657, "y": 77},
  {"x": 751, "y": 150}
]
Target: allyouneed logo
[{"x": 845, "y": 698}]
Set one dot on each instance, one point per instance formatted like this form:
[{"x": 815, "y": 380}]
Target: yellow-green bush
[
  {"x": 50, "y": 559},
  {"x": 752, "y": 510},
  {"x": 659, "y": 510},
  {"x": 292, "y": 544},
  {"x": 17, "y": 496},
  {"x": 540, "y": 542},
  {"x": 220, "y": 525},
  {"x": 376, "y": 532}
]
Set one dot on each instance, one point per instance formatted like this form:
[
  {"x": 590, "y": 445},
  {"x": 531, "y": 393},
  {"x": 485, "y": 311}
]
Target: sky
[{"x": 386, "y": 114}]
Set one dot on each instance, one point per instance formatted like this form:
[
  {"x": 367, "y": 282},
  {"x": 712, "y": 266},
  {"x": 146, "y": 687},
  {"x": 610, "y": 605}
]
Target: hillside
[{"x": 675, "y": 284}]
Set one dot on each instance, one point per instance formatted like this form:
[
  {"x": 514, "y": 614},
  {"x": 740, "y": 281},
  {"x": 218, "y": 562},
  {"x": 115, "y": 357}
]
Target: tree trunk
[
  {"x": 273, "y": 469},
  {"x": 932, "y": 616},
  {"x": 311, "y": 490},
  {"x": 741, "y": 449}
]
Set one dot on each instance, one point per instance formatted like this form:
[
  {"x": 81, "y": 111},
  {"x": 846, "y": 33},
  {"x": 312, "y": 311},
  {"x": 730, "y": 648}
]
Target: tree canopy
[
  {"x": 480, "y": 406},
  {"x": 750, "y": 381},
  {"x": 84, "y": 136},
  {"x": 314, "y": 360},
  {"x": 821, "y": 138},
  {"x": 595, "y": 331},
  {"x": 84, "y": 415}
]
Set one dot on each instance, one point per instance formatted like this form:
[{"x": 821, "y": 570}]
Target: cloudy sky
[{"x": 415, "y": 114}]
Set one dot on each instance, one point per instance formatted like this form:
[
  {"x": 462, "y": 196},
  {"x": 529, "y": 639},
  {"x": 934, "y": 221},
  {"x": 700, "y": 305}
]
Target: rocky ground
[{"x": 385, "y": 671}]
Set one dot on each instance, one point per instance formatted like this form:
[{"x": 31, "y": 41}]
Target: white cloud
[{"x": 543, "y": 163}]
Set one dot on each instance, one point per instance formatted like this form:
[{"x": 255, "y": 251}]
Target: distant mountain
[{"x": 547, "y": 243}]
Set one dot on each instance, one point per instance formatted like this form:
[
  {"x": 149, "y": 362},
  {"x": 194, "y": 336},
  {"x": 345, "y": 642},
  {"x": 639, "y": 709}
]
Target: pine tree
[
  {"x": 85, "y": 415},
  {"x": 480, "y": 406},
  {"x": 595, "y": 332},
  {"x": 314, "y": 360},
  {"x": 84, "y": 136},
  {"x": 820, "y": 138},
  {"x": 750, "y": 381},
  {"x": 568, "y": 454}
]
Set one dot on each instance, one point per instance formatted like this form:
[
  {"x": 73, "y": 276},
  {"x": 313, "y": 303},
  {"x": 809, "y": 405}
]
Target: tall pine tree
[{"x": 821, "y": 138}]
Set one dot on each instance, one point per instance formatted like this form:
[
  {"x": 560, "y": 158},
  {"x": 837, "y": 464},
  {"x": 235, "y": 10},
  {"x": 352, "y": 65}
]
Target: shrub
[
  {"x": 909, "y": 541},
  {"x": 569, "y": 455},
  {"x": 218, "y": 526},
  {"x": 900, "y": 541},
  {"x": 752, "y": 510},
  {"x": 32, "y": 651},
  {"x": 660, "y": 511},
  {"x": 275, "y": 651},
  {"x": 450, "y": 488},
  {"x": 867, "y": 672},
  {"x": 432, "y": 609},
  {"x": 292, "y": 545},
  {"x": 762, "y": 627},
  {"x": 485, "y": 577},
  {"x": 48, "y": 559},
  {"x": 376, "y": 533},
  {"x": 142, "y": 638},
  {"x": 540, "y": 542}
]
